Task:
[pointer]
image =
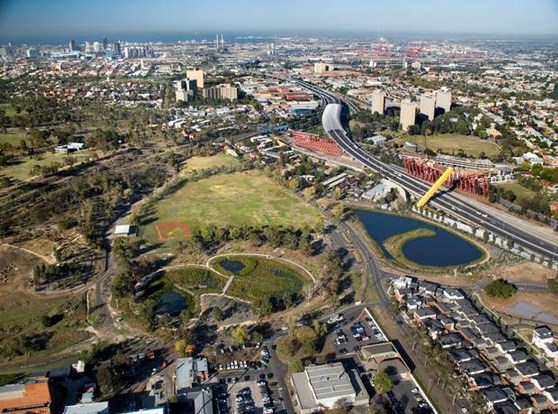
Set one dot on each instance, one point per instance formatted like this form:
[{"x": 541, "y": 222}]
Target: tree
[
  {"x": 382, "y": 383},
  {"x": 184, "y": 348},
  {"x": 106, "y": 379},
  {"x": 240, "y": 335},
  {"x": 217, "y": 313},
  {"x": 500, "y": 288},
  {"x": 338, "y": 211},
  {"x": 553, "y": 285}
]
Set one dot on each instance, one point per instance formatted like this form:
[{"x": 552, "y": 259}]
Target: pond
[
  {"x": 233, "y": 266},
  {"x": 171, "y": 303},
  {"x": 444, "y": 249},
  {"x": 531, "y": 311}
]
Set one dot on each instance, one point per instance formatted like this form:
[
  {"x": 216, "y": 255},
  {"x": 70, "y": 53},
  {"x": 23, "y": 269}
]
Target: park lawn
[
  {"x": 204, "y": 163},
  {"x": 519, "y": 191},
  {"x": 452, "y": 143},
  {"x": 234, "y": 199},
  {"x": 20, "y": 171}
]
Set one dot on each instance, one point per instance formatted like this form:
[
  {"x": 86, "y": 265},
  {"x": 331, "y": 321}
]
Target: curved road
[{"x": 331, "y": 121}]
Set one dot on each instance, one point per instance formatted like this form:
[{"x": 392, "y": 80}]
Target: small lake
[
  {"x": 171, "y": 303},
  {"x": 444, "y": 249},
  {"x": 233, "y": 266}
]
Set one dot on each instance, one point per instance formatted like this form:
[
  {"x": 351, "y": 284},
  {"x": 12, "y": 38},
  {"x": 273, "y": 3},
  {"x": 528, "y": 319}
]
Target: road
[{"x": 452, "y": 203}]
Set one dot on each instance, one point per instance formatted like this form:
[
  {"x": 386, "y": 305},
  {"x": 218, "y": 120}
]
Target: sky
[{"x": 21, "y": 19}]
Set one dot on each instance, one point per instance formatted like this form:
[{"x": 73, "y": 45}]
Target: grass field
[
  {"x": 204, "y": 163},
  {"x": 21, "y": 170},
  {"x": 10, "y": 110},
  {"x": 196, "y": 280},
  {"x": 451, "y": 143},
  {"x": 13, "y": 137},
  {"x": 231, "y": 200},
  {"x": 266, "y": 279},
  {"x": 519, "y": 191}
]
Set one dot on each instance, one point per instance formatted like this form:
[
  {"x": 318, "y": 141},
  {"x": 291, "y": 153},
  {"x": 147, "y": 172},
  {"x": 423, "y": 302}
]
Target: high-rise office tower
[
  {"x": 116, "y": 49},
  {"x": 197, "y": 75},
  {"x": 428, "y": 105},
  {"x": 185, "y": 90},
  {"x": 443, "y": 99},
  {"x": 72, "y": 46},
  {"x": 105, "y": 43},
  {"x": 321, "y": 67},
  {"x": 378, "y": 102},
  {"x": 221, "y": 92},
  {"x": 408, "y": 114}
]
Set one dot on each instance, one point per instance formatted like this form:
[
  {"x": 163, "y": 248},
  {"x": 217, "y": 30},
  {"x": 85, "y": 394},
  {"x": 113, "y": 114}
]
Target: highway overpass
[{"x": 455, "y": 204}]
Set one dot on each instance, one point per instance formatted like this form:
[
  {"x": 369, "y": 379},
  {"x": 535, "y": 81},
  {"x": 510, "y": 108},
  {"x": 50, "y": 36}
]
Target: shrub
[{"x": 500, "y": 288}]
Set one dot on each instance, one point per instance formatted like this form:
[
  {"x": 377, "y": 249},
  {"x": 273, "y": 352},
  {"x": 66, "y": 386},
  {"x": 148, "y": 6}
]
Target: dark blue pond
[
  {"x": 171, "y": 303},
  {"x": 444, "y": 249},
  {"x": 232, "y": 265}
]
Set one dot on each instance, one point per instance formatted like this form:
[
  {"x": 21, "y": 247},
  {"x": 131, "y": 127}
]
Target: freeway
[{"x": 331, "y": 120}]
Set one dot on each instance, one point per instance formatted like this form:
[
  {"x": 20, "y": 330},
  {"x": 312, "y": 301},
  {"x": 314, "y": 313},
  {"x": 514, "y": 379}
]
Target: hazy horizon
[{"x": 24, "y": 20}]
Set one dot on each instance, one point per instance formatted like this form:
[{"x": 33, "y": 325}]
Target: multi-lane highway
[{"x": 449, "y": 202}]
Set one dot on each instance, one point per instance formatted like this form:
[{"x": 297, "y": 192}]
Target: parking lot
[
  {"x": 251, "y": 387},
  {"x": 406, "y": 398},
  {"x": 257, "y": 396},
  {"x": 353, "y": 332}
]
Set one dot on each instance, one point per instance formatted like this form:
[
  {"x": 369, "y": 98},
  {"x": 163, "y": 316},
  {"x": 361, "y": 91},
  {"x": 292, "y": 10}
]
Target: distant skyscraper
[
  {"x": 321, "y": 67},
  {"x": 105, "y": 43},
  {"x": 378, "y": 102},
  {"x": 116, "y": 49},
  {"x": 221, "y": 92},
  {"x": 197, "y": 75},
  {"x": 72, "y": 45},
  {"x": 428, "y": 105},
  {"x": 443, "y": 99},
  {"x": 222, "y": 41},
  {"x": 408, "y": 114},
  {"x": 185, "y": 90},
  {"x": 87, "y": 47},
  {"x": 32, "y": 52}
]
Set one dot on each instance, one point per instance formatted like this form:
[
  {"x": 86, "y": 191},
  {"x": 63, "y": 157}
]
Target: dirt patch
[
  {"x": 526, "y": 305},
  {"x": 234, "y": 311},
  {"x": 163, "y": 229},
  {"x": 15, "y": 266},
  {"x": 527, "y": 272}
]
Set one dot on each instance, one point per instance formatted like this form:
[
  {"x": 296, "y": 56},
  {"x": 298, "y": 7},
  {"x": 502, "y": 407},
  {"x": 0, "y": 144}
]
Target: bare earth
[
  {"x": 527, "y": 272},
  {"x": 546, "y": 302}
]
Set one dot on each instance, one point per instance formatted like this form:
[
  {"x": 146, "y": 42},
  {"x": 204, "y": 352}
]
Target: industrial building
[
  {"x": 322, "y": 386},
  {"x": 190, "y": 372},
  {"x": 408, "y": 114},
  {"x": 221, "y": 92},
  {"x": 378, "y": 102},
  {"x": 33, "y": 396}
]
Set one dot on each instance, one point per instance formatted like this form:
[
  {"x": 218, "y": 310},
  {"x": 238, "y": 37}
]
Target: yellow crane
[{"x": 425, "y": 198}]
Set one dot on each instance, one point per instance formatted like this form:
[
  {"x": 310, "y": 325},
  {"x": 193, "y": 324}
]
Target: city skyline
[{"x": 26, "y": 20}]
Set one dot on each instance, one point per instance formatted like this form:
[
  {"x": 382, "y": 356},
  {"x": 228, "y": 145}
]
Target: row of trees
[{"x": 210, "y": 236}]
